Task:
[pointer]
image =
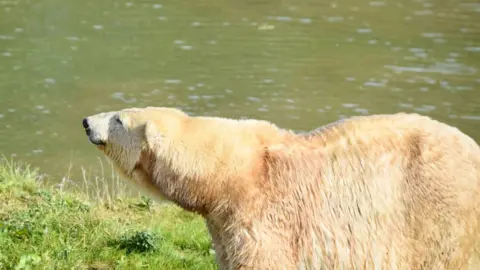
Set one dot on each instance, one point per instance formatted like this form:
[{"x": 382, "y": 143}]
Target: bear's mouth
[
  {"x": 92, "y": 139},
  {"x": 96, "y": 141}
]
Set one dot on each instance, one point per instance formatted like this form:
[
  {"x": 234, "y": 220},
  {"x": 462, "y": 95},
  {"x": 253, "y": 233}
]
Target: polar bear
[{"x": 397, "y": 191}]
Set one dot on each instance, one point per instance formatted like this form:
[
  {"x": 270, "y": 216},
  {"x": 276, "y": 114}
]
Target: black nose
[{"x": 85, "y": 123}]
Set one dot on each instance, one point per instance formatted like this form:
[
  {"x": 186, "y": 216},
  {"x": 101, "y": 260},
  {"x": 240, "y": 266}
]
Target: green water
[{"x": 300, "y": 64}]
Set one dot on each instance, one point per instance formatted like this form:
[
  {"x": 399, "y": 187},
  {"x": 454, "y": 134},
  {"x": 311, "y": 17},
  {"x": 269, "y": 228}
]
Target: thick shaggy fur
[{"x": 377, "y": 192}]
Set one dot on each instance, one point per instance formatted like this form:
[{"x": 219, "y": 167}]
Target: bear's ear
[{"x": 152, "y": 135}]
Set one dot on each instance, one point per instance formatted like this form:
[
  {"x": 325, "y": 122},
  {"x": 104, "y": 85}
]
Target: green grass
[{"x": 43, "y": 227}]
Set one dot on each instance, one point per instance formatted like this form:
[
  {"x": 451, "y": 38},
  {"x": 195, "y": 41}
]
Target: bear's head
[
  {"x": 139, "y": 141},
  {"x": 123, "y": 135}
]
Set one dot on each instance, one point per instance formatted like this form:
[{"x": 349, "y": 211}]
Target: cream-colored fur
[{"x": 377, "y": 192}]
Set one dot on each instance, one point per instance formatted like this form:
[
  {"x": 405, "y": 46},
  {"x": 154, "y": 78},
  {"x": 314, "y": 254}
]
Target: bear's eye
[{"x": 119, "y": 121}]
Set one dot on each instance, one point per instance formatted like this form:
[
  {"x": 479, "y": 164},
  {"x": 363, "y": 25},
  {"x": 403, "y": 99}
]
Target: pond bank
[{"x": 43, "y": 227}]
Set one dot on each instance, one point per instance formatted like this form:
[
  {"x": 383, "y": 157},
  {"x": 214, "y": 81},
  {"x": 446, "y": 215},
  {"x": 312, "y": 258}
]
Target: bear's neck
[
  {"x": 216, "y": 191},
  {"x": 211, "y": 168}
]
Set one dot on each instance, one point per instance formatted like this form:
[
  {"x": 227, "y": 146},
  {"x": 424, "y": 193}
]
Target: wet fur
[{"x": 386, "y": 192}]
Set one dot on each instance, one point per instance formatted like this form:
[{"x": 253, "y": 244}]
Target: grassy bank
[{"x": 42, "y": 227}]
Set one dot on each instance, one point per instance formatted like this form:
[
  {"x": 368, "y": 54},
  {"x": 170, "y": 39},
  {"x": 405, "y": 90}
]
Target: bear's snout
[{"x": 92, "y": 136}]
